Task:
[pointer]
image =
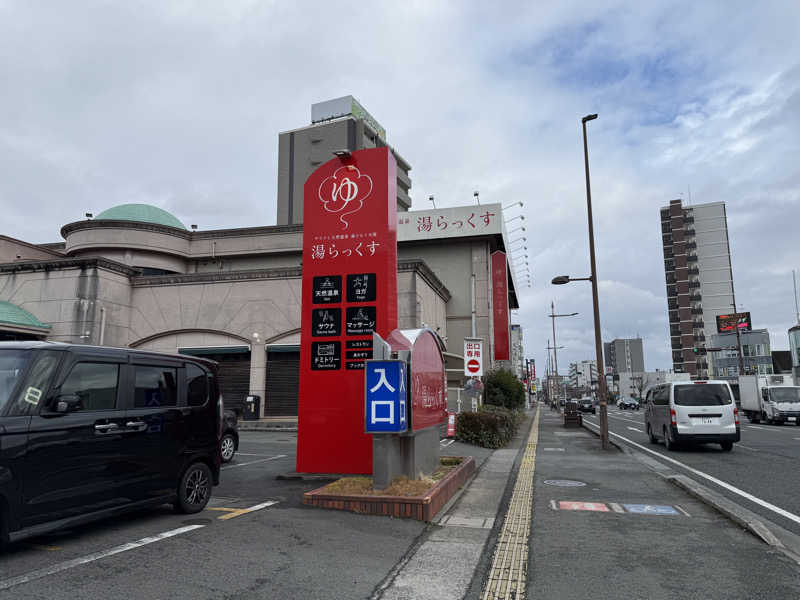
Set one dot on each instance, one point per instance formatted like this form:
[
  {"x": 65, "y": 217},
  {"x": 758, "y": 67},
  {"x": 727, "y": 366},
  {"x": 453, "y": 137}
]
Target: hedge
[
  {"x": 490, "y": 427},
  {"x": 504, "y": 389}
]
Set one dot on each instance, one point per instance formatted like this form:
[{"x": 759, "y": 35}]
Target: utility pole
[{"x": 553, "y": 316}]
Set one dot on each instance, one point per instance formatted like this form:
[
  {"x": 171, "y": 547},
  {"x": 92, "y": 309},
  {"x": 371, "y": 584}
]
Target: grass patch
[{"x": 401, "y": 486}]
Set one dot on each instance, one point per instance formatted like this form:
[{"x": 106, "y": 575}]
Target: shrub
[
  {"x": 502, "y": 388},
  {"x": 490, "y": 427}
]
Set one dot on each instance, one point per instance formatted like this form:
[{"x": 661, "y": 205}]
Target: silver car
[{"x": 692, "y": 412}]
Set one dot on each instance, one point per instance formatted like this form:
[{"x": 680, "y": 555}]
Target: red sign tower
[{"x": 349, "y": 290}]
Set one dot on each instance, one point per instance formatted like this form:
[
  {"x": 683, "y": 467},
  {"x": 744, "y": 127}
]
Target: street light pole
[
  {"x": 598, "y": 340},
  {"x": 555, "y": 343},
  {"x": 553, "y": 316}
]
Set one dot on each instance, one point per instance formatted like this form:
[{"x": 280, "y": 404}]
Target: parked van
[
  {"x": 89, "y": 432},
  {"x": 692, "y": 412}
]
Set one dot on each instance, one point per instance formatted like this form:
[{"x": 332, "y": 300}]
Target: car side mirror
[{"x": 68, "y": 403}]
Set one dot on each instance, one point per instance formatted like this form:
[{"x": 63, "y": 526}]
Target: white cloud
[{"x": 180, "y": 103}]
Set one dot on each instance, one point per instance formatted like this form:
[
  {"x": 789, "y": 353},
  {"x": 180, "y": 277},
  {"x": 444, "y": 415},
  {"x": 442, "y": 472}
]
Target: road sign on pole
[{"x": 473, "y": 357}]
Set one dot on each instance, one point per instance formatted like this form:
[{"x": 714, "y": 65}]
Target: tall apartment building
[
  {"x": 697, "y": 266},
  {"x": 624, "y": 355},
  {"x": 583, "y": 373},
  {"x": 339, "y": 124}
]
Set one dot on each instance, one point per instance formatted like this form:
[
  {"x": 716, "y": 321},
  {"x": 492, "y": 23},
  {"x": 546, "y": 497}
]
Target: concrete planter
[{"x": 422, "y": 508}]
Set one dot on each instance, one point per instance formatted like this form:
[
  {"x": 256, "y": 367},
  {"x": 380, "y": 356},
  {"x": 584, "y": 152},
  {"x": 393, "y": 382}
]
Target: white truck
[{"x": 771, "y": 398}]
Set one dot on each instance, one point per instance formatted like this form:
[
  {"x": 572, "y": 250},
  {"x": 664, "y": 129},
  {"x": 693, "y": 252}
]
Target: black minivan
[{"x": 89, "y": 432}]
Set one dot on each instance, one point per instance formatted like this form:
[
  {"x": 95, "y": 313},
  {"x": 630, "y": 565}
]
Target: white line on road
[
  {"x": 747, "y": 448},
  {"x": 769, "y": 506},
  {"x": 446, "y": 444},
  {"x": 243, "y": 511},
  {"x": 76, "y": 562},
  {"x": 252, "y": 462},
  {"x": 624, "y": 419},
  {"x": 634, "y": 429},
  {"x": 246, "y": 454}
]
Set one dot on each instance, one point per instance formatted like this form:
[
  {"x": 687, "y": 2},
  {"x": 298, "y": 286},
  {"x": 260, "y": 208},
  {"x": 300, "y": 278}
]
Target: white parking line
[
  {"x": 747, "y": 448},
  {"x": 252, "y": 462},
  {"x": 763, "y": 503},
  {"x": 444, "y": 444},
  {"x": 634, "y": 429},
  {"x": 76, "y": 562},
  {"x": 246, "y": 454}
]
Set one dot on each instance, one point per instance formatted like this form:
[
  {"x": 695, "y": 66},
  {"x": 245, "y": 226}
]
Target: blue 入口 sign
[{"x": 386, "y": 394}]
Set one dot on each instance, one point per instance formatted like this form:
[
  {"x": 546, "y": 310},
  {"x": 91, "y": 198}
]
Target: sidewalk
[
  {"x": 451, "y": 557},
  {"x": 628, "y": 533}
]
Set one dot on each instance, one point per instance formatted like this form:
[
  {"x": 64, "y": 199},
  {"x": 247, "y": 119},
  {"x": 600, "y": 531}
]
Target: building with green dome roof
[
  {"x": 135, "y": 276},
  {"x": 140, "y": 213}
]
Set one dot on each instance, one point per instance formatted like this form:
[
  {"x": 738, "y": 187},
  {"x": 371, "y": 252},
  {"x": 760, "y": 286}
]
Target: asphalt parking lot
[{"x": 254, "y": 538}]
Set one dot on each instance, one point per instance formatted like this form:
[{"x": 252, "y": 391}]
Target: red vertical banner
[
  {"x": 349, "y": 291},
  {"x": 500, "y": 306}
]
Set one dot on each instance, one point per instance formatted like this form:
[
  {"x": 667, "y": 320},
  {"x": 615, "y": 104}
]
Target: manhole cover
[{"x": 564, "y": 483}]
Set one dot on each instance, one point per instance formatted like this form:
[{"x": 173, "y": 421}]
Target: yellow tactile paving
[{"x": 510, "y": 562}]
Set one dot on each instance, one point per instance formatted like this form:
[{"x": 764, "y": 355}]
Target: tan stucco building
[{"x": 136, "y": 276}]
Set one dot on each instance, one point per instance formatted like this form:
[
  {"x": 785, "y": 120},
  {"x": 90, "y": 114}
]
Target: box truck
[{"x": 771, "y": 398}]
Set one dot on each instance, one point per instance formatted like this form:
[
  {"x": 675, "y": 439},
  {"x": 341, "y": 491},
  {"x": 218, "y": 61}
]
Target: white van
[{"x": 692, "y": 412}]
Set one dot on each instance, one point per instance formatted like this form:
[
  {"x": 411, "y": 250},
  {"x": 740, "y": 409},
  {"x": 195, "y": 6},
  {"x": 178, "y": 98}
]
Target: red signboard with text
[
  {"x": 349, "y": 291},
  {"x": 500, "y": 306}
]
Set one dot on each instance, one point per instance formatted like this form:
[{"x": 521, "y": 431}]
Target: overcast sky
[{"x": 179, "y": 104}]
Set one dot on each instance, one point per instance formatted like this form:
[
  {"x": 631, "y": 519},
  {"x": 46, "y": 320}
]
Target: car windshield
[
  {"x": 709, "y": 394},
  {"x": 12, "y": 365},
  {"x": 787, "y": 394}
]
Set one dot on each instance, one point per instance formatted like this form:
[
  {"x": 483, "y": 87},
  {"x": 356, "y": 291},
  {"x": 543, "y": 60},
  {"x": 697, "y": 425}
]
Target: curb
[
  {"x": 743, "y": 517},
  {"x": 621, "y": 447},
  {"x": 733, "y": 511}
]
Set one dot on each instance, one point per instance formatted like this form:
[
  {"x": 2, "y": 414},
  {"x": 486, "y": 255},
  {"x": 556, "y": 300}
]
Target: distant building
[
  {"x": 635, "y": 384},
  {"x": 697, "y": 268},
  {"x": 339, "y": 124},
  {"x": 583, "y": 374},
  {"x": 781, "y": 361},
  {"x": 755, "y": 351},
  {"x": 624, "y": 355}
]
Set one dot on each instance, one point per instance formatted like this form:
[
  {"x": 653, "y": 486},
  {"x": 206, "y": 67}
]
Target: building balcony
[
  {"x": 694, "y": 285},
  {"x": 689, "y": 231},
  {"x": 698, "y": 324},
  {"x": 688, "y": 219},
  {"x": 691, "y": 245},
  {"x": 699, "y": 338},
  {"x": 693, "y": 271},
  {"x": 695, "y": 297},
  {"x": 691, "y": 258},
  {"x": 697, "y": 311}
]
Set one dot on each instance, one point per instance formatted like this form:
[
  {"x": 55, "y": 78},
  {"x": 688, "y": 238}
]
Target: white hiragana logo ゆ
[{"x": 344, "y": 192}]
